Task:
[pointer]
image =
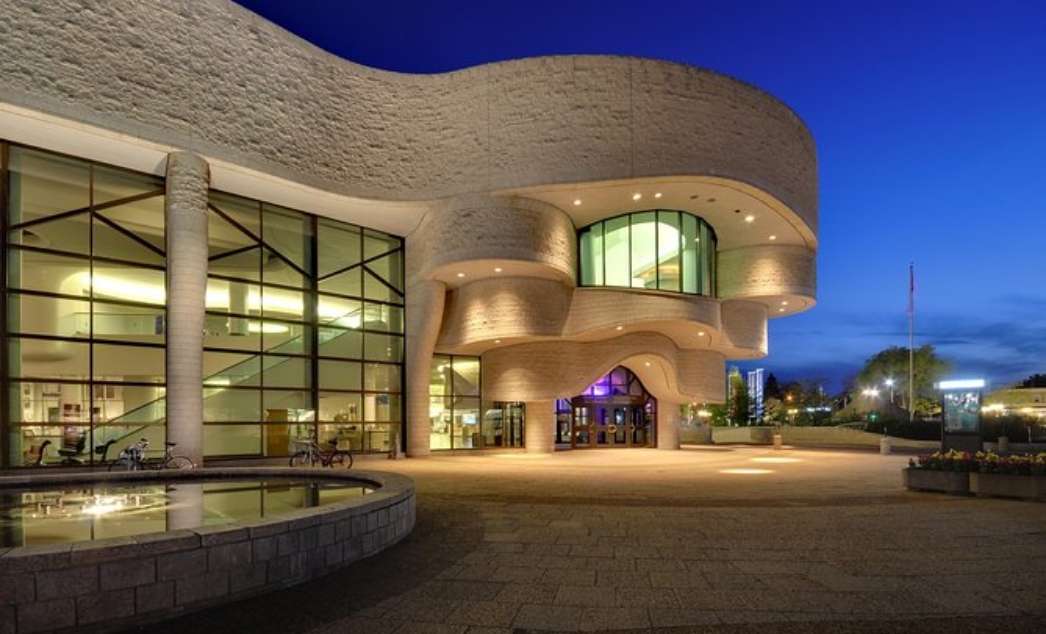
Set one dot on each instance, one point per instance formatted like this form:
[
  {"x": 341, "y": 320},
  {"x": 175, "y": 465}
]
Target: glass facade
[
  {"x": 659, "y": 250},
  {"x": 304, "y": 319},
  {"x": 459, "y": 418},
  {"x": 84, "y": 311}
]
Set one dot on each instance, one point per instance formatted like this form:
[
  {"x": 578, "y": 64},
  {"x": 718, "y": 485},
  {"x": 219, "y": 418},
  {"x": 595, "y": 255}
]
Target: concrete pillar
[
  {"x": 539, "y": 426},
  {"x": 188, "y": 179},
  {"x": 424, "y": 315},
  {"x": 667, "y": 425}
]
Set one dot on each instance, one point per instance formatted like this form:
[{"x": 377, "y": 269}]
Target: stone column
[
  {"x": 667, "y": 425},
  {"x": 188, "y": 179},
  {"x": 539, "y": 426},
  {"x": 424, "y": 316}
]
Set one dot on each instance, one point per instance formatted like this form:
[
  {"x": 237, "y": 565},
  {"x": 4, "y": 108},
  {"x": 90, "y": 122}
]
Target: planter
[
  {"x": 1028, "y": 487},
  {"x": 952, "y": 482}
]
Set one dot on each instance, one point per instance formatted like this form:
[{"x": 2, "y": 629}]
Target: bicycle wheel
[
  {"x": 300, "y": 459},
  {"x": 347, "y": 459},
  {"x": 336, "y": 459},
  {"x": 178, "y": 462}
]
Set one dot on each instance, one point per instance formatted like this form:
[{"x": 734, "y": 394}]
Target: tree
[
  {"x": 892, "y": 364},
  {"x": 739, "y": 403},
  {"x": 771, "y": 389},
  {"x": 1035, "y": 380},
  {"x": 805, "y": 402}
]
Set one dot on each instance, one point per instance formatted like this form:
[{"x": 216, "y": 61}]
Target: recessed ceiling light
[
  {"x": 619, "y": 328},
  {"x": 461, "y": 275},
  {"x": 648, "y": 364},
  {"x": 780, "y": 310},
  {"x": 701, "y": 334},
  {"x": 497, "y": 341},
  {"x": 773, "y": 237},
  {"x": 636, "y": 196},
  {"x": 749, "y": 218},
  {"x": 657, "y": 195},
  {"x": 497, "y": 269},
  {"x": 784, "y": 303},
  {"x": 577, "y": 201}
]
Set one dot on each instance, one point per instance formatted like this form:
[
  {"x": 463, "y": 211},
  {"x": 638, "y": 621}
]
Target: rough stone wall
[
  {"x": 559, "y": 369},
  {"x": 766, "y": 271},
  {"x": 513, "y": 229},
  {"x": 210, "y": 77}
]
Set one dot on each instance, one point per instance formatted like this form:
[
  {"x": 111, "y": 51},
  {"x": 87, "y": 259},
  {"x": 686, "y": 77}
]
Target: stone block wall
[{"x": 119, "y": 583}]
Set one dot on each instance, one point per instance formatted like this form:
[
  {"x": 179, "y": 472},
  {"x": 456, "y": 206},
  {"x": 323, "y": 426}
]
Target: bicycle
[
  {"x": 312, "y": 453},
  {"x": 132, "y": 458}
]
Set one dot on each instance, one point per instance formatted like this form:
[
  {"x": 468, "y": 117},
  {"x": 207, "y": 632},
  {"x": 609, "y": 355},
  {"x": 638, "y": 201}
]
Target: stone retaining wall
[{"x": 117, "y": 583}]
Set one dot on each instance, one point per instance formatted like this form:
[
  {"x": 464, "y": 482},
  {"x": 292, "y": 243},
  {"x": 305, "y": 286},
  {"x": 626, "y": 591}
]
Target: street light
[{"x": 889, "y": 384}]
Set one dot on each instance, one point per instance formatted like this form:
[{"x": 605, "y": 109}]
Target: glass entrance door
[{"x": 607, "y": 425}]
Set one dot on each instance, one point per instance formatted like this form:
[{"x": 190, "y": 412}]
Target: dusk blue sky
[{"x": 930, "y": 123}]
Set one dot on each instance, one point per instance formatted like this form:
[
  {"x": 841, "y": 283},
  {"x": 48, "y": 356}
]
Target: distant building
[{"x": 1028, "y": 401}]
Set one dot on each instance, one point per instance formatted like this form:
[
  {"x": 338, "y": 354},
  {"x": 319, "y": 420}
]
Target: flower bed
[{"x": 982, "y": 473}]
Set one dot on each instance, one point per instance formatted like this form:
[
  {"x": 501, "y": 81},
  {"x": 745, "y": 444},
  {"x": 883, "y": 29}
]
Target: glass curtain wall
[
  {"x": 305, "y": 332},
  {"x": 660, "y": 250},
  {"x": 84, "y": 310},
  {"x": 304, "y": 320}
]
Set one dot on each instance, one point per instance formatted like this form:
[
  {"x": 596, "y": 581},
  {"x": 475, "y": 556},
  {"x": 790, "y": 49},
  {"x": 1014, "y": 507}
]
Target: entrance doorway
[{"x": 614, "y": 412}]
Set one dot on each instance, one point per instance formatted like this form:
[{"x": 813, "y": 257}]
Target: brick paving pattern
[{"x": 718, "y": 540}]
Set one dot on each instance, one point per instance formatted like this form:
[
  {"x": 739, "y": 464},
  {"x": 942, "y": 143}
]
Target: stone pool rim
[{"x": 113, "y": 583}]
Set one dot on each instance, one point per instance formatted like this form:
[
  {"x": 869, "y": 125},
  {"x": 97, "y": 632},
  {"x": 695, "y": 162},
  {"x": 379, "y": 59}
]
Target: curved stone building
[{"x": 219, "y": 234}]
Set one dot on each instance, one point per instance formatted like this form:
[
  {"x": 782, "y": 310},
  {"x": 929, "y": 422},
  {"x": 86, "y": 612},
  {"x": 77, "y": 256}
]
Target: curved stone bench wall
[{"x": 114, "y": 584}]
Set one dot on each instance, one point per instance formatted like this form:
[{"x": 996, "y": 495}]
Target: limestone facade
[{"x": 488, "y": 173}]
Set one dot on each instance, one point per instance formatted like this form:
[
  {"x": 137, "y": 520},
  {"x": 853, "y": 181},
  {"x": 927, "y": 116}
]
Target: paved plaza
[{"x": 711, "y": 539}]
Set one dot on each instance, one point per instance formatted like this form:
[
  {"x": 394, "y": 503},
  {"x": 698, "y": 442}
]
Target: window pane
[
  {"x": 48, "y": 273},
  {"x": 143, "y": 219},
  {"x": 45, "y": 358},
  {"x": 592, "y": 256},
  {"x": 384, "y": 317},
  {"x": 48, "y": 316},
  {"x": 377, "y": 243},
  {"x": 668, "y": 244},
  {"x": 339, "y": 247},
  {"x": 337, "y": 342},
  {"x": 382, "y": 377},
  {"x": 283, "y": 337},
  {"x": 348, "y": 283},
  {"x": 230, "y": 404},
  {"x": 289, "y": 233},
  {"x": 345, "y": 313},
  {"x": 707, "y": 255},
  {"x": 139, "y": 363},
  {"x": 340, "y": 375},
  {"x": 691, "y": 249},
  {"x": 111, "y": 184},
  {"x": 340, "y": 407},
  {"x": 232, "y": 440},
  {"x": 294, "y": 372},
  {"x": 389, "y": 269},
  {"x": 383, "y": 347},
  {"x": 44, "y": 184},
  {"x": 466, "y": 376},
  {"x": 616, "y": 252},
  {"x": 644, "y": 250}
]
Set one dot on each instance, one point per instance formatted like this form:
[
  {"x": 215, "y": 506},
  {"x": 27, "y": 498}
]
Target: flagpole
[{"x": 911, "y": 342}]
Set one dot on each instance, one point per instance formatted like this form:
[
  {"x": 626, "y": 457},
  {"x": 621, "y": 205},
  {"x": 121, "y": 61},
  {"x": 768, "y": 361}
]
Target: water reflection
[{"x": 78, "y": 513}]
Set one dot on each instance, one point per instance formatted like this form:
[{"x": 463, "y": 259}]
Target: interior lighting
[
  {"x": 773, "y": 237},
  {"x": 577, "y": 201},
  {"x": 619, "y": 328},
  {"x": 746, "y": 471},
  {"x": 657, "y": 195},
  {"x": 497, "y": 341},
  {"x": 267, "y": 328},
  {"x": 701, "y": 334},
  {"x": 497, "y": 269},
  {"x": 749, "y": 218},
  {"x": 461, "y": 275},
  {"x": 637, "y": 196}
]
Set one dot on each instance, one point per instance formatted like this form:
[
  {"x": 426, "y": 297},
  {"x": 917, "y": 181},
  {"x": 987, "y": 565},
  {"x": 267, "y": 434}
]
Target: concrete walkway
[{"x": 717, "y": 540}]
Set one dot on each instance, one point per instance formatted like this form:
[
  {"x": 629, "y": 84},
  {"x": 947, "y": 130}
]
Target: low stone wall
[{"x": 114, "y": 584}]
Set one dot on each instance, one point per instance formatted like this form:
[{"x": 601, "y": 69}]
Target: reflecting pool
[{"x": 85, "y": 512}]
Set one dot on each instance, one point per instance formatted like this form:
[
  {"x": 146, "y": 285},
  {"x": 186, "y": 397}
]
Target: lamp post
[{"x": 889, "y": 384}]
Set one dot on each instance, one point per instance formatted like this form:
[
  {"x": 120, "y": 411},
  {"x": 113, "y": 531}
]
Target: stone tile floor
[{"x": 713, "y": 539}]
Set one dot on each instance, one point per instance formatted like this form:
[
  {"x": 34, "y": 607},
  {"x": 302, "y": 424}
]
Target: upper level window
[{"x": 658, "y": 250}]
